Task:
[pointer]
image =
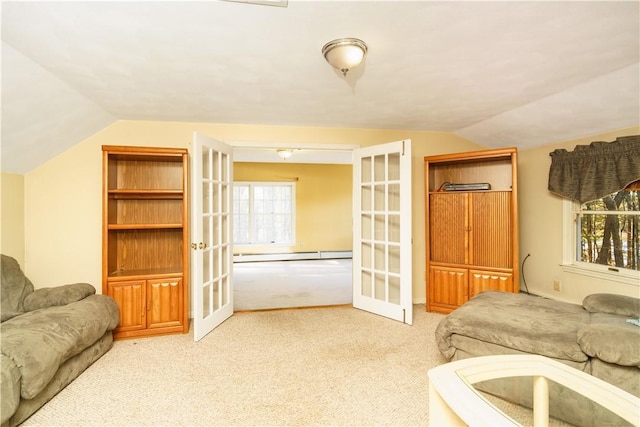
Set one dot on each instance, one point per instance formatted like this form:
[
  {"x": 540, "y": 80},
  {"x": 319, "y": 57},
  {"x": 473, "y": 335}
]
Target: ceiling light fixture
[
  {"x": 280, "y": 3},
  {"x": 345, "y": 54},
  {"x": 285, "y": 154}
]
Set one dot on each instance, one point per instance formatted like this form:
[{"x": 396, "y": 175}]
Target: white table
[{"x": 453, "y": 401}]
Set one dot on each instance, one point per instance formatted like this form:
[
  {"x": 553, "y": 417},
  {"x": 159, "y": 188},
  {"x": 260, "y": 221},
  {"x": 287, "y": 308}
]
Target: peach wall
[
  {"x": 63, "y": 201},
  {"x": 12, "y": 216},
  {"x": 323, "y": 204}
]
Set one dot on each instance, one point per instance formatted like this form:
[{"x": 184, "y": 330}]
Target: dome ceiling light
[
  {"x": 285, "y": 153},
  {"x": 280, "y": 3},
  {"x": 345, "y": 54}
]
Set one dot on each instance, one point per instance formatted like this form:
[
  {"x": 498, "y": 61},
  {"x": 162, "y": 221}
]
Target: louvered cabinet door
[
  {"x": 490, "y": 229},
  {"x": 448, "y": 220}
]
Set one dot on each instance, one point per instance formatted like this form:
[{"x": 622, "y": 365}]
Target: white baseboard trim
[{"x": 293, "y": 256}]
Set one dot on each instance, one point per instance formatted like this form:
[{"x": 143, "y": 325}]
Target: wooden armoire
[
  {"x": 471, "y": 233},
  {"x": 145, "y": 238}
]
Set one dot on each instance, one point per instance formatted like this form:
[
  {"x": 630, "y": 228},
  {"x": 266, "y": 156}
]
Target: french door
[
  {"x": 382, "y": 267},
  {"x": 211, "y": 234}
]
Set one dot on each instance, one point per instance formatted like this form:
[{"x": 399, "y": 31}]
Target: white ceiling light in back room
[
  {"x": 285, "y": 153},
  {"x": 345, "y": 54},
  {"x": 280, "y": 3}
]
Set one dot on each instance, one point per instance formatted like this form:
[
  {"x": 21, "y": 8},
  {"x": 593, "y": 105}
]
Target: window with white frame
[
  {"x": 602, "y": 236},
  {"x": 263, "y": 213}
]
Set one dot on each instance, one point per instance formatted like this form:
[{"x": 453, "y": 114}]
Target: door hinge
[{"x": 200, "y": 245}]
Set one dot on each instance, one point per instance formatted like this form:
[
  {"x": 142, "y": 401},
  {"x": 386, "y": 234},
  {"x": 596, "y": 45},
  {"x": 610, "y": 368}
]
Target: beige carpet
[
  {"x": 300, "y": 283},
  {"x": 322, "y": 366}
]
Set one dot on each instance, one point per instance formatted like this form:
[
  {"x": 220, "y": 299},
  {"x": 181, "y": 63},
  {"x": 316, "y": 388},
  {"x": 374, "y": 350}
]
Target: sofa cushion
[
  {"x": 15, "y": 287},
  {"x": 621, "y": 305},
  {"x": 38, "y": 342},
  {"x": 520, "y": 322},
  {"x": 9, "y": 388},
  {"x": 60, "y": 295},
  {"x": 624, "y": 377},
  {"x": 611, "y": 339}
]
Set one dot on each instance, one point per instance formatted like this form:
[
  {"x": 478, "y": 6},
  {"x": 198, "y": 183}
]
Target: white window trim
[
  {"x": 292, "y": 242},
  {"x": 569, "y": 248}
]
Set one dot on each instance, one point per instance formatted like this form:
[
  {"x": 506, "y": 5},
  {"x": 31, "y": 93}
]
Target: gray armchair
[{"x": 49, "y": 337}]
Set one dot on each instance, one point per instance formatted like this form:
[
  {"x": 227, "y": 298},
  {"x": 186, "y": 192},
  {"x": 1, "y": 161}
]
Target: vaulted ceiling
[{"x": 498, "y": 73}]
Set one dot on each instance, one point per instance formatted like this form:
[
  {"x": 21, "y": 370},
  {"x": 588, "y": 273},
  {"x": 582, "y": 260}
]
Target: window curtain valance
[{"x": 590, "y": 172}]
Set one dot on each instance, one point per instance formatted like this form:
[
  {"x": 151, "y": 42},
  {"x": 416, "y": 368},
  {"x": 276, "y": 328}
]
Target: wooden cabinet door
[
  {"x": 448, "y": 219},
  {"x": 130, "y": 297},
  {"x": 490, "y": 229},
  {"x": 448, "y": 288},
  {"x": 164, "y": 302},
  {"x": 489, "y": 280}
]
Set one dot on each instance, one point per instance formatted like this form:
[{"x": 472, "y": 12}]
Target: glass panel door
[
  {"x": 212, "y": 252},
  {"x": 382, "y": 230}
]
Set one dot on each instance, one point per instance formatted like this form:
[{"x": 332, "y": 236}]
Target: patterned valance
[{"x": 590, "y": 172}]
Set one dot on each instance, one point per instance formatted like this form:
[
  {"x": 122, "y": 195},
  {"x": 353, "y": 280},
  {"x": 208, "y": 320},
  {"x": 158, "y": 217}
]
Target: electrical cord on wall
[{"x": 524, "y": 280}]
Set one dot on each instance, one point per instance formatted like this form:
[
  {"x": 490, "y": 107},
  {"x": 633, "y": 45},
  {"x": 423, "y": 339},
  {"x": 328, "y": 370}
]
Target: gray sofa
[
  {"x": 594, "y": 337},
  {"x": 49, "y": 336}
]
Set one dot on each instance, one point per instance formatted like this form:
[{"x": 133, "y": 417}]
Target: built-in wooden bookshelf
[
  {"x": 471, "y": 236},
  {"x": 145, "y": 238}
]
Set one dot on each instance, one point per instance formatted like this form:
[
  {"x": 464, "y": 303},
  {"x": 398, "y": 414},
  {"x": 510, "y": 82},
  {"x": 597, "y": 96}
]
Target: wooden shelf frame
[
  {"x": 146, "y": 194},
  {"x": 480, "y": 227},
  {"x": 144, "y": 226},
  {"x": 145, "y": 261}
]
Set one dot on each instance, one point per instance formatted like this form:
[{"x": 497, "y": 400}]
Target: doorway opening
[
  {"x": 325, "y": 280},
  {"x": 315, "y": 270}
]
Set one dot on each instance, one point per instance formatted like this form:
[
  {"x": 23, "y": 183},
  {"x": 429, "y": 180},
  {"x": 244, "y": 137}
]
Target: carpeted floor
[
  {"x": 321, "y": 366},
  {"x": 300, "y": 283}
]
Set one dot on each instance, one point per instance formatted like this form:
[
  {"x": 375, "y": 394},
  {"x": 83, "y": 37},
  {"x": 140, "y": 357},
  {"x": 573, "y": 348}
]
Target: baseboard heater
[{"x": 293, "y": 256}]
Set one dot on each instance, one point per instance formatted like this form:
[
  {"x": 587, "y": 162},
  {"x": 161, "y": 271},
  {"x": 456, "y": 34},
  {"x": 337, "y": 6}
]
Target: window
[
  {"x": 603, "y": 236},
  {"x": 263, "y": 213}
]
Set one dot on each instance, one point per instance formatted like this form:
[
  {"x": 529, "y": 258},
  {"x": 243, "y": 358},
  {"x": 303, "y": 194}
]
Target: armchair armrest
[
  {"x": 612, "y": 343},
  {"x": 620, "y": 305},
  {"x": 59, "y": 295}
]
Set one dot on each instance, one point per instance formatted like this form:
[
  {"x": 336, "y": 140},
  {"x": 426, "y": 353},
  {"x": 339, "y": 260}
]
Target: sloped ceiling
[{"x": 498, "y": 73}]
